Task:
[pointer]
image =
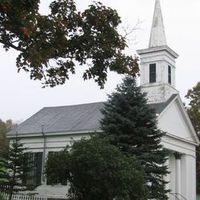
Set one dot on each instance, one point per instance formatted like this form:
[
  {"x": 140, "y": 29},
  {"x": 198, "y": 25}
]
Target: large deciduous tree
[
  {"x": 131, "y": 125},
  {"x": 51, "y": 45},
  {"x": 97, "y": 170},
  {"x": 5, "y": 127},
  {"x": 194, "y": 106},
  {"x": 193, "y": 110}
]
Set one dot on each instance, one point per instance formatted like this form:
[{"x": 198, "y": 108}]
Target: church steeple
[
  {"x": 157, "y": 37},
  {"x": 157, "y": 66}
]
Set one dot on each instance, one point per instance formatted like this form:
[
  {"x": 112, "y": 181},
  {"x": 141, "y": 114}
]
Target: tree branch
[{"x": 11, "y": 45}]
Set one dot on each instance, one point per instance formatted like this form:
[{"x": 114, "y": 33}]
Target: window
[
  {"x": 169, "y": 75},
  {"x": 33, "y": 177},
  {"x": 152, "y": 73}
]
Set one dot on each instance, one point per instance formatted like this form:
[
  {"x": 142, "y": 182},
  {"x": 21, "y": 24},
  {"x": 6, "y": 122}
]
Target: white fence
[{"x": 23, "y": 197}]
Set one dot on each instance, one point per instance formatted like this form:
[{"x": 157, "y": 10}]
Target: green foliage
[
  {"x": 1, "y": 197},
  {"x": 194, "y": 106},
  {"x": 4, "y": 128},
  {"x": 131, "y": 125},
  {"x": 98, "y": 170},
  {"x": 193, "y": 111},
  {"x": 57, "y": 167},
  {"x": 3, "y": 171},
  {"x": 50, "y": 45}
]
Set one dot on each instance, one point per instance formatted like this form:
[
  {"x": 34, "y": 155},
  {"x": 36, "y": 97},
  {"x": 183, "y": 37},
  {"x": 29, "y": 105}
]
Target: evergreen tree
[
  {"x": 4, "y": 128},
  {"x": 18, "y": 167},
  {"x": 131, "y": 125}
]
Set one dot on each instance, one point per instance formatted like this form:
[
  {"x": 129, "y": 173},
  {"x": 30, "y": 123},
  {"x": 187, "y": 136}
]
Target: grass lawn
[{"x": 198, "y": 197}]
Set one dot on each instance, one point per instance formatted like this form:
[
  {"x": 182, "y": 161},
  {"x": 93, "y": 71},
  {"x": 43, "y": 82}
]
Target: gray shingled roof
[
  {"x": 75, "y": 118},
  {"x": 159, "y": 107},
  {"x": 63, "y": 119}
]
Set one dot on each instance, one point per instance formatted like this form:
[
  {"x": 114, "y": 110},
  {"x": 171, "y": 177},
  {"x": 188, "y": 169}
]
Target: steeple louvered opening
[
  {"x": 152, "y": 73},
  {"x": 169, "y": 75}
]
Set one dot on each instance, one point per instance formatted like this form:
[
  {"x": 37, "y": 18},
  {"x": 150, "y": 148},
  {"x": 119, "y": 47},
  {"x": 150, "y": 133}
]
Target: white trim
[
  {"x": 163, "y": 142},
  {"x": 180, "y": 138},
  {"x": 187, "y": 120},
  {"x": 55, "y": 134}
]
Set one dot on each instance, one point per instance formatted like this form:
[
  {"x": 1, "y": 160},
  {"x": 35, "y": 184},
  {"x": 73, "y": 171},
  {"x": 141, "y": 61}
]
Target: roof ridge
[{"x": 73, "y": 105}]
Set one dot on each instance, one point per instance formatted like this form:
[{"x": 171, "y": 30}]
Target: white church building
[{"x": 52, "y": 128}]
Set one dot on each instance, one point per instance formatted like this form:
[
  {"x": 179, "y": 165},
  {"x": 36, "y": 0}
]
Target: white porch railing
[{"x": 23, "y": 197}]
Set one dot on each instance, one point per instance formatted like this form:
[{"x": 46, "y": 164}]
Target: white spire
[{"x": 157, "y": 37}]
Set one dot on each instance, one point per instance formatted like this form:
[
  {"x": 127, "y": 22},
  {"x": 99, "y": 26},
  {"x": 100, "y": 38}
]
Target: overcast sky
[{"x": 21, "y": 97}]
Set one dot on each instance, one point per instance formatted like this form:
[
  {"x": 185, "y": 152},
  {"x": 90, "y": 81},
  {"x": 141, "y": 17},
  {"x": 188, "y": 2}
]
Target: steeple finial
[{"x": 157, "y": 37}]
